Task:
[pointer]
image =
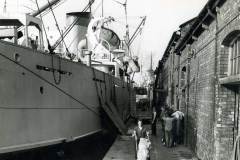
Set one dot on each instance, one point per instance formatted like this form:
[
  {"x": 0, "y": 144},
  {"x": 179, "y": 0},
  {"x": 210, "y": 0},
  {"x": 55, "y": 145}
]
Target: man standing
[
  {"x": 154, "y": 121},
  {"x": 139, "y": 132},
  {"x": 162, "y": 115},
  {"x": 168, "y": 130}
]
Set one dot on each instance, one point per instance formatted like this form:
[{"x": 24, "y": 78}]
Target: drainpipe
[
  {"x": 171, "y": 80},
  {"x": 187, "y": 92},
  {"x": 215, "y": 78},
  {"x": 173, "y": 87},
  {"x": 169, "y": 83},
  {"x": 178, "y": 80}
]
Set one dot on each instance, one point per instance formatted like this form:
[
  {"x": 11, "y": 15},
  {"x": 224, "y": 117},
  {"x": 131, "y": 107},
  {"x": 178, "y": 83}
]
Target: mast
[
  {"x": 102, "y": 8},
  {"x": 151, "y": 62},
  {"x": 126, "y": 21},
  {"x": 127, "y": 27},
  {"x": 5, "y": 7},
  {"x": 90, "y": 8}
]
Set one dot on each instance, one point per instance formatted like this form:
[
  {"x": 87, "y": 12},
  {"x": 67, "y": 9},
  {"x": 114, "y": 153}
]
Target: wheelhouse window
[{"x": 234, "y": 57}]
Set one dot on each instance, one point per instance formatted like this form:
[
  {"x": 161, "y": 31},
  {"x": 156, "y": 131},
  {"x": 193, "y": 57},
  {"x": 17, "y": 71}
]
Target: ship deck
[{"x": 123, "y": 149}]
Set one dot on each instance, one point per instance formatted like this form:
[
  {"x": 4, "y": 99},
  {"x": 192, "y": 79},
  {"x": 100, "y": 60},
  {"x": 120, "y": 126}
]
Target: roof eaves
[
  {"x": 203, "y": 15},
  {"x": 175, "y": 37}
]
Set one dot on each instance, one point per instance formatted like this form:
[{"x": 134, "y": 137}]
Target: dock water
[{"x": 123, "y": 149}]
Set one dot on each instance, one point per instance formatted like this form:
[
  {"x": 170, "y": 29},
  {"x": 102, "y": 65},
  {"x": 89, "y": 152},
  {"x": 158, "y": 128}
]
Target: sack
[{"x": 143, "y": 149}]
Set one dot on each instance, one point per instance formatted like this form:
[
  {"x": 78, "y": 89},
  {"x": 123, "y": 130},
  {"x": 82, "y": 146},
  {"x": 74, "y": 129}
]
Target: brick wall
[
  {"x": 209, "y": 106},
  {"x": 166, "y": 79},
  {"x": 228, "y": 19}
]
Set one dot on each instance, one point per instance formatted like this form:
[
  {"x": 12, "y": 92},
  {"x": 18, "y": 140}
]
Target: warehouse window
[
  {"x": 234, "y": 57},
  {"x": 230, "y": 54}
]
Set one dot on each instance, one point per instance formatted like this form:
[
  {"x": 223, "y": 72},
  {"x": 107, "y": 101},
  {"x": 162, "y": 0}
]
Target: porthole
[
  {"x": 41, "y": 89},
  {"x": 17, "y": 57}
]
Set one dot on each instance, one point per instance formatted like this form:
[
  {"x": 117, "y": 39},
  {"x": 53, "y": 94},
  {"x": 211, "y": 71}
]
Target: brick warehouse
[{"x": 199, "y": 74}]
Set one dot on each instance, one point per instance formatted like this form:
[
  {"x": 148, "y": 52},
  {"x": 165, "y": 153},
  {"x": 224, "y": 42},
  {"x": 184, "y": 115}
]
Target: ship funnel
[{"x": 78, "y": 31}]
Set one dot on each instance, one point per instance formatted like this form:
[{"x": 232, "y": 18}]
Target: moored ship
[{"x": 49, "y": 99}]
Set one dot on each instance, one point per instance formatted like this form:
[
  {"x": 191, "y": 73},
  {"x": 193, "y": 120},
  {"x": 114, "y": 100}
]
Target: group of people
[{"x": 172, "y": 123}]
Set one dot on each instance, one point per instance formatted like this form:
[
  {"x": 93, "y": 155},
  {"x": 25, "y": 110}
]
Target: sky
[{"x": 163, "y": 18}]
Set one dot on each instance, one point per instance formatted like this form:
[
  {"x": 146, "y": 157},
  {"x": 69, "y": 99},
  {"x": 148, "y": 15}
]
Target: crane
[{"x": 137, "y": 31}]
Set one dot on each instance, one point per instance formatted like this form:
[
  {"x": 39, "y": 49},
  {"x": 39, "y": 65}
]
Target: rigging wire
[
  {"x": 55, "y": 19},
  {"x": 74, "y": 39},
  {"x": 76, "y": 36},
  {"x": 127, "y": 27},
  {"x": 44, "y": 28},
  {"x": 51, "y": 51},
  {"x": 97, "y": 7},
  {"x": 102, "y": 8},
  {"x": 54, "y": 6},
  {"x": 71, "y": 26},
  {"x": 59, "y": 59},
  {"x": 51, "y": 84},
  {"x": 140, "y": 44},
  {"x": 138, "y": 30},
  {"x": 45, "y": 8},
  {"x": 134, "y": 37},
  {"x": 28, "y": 8}
]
